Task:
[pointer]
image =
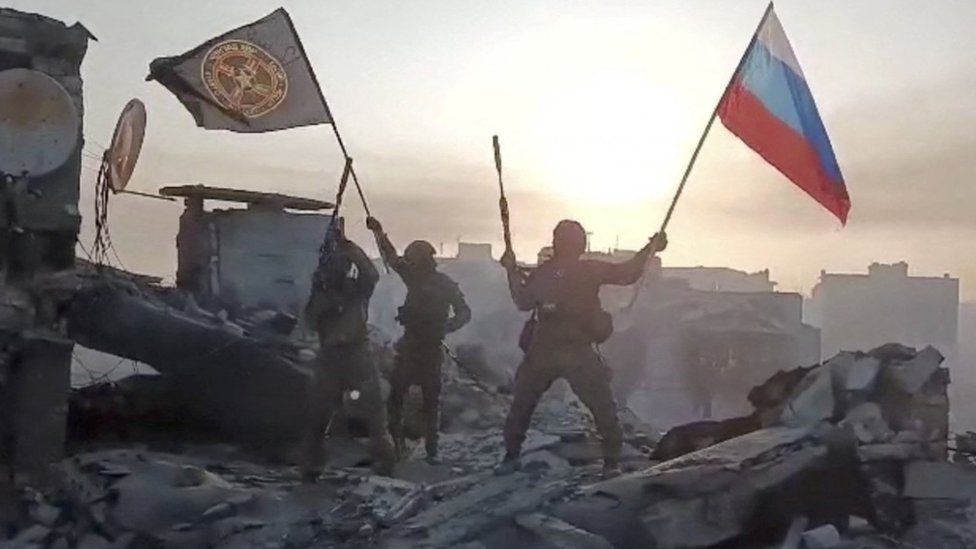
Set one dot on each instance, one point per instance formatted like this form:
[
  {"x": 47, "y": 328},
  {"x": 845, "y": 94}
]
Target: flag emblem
[
  {"x": 254, "y": 78},
  {"x": 244, "y": 78}
]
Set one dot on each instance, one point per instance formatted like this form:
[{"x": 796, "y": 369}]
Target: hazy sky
[{"x": 598, "y": 104}]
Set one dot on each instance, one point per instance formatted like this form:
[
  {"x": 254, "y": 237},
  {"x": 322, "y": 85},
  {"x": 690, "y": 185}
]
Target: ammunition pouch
[
  {"x": 596, "y": 326},
  {"x": 600, "y": 327},
  {"x": 420, "y": 322}
]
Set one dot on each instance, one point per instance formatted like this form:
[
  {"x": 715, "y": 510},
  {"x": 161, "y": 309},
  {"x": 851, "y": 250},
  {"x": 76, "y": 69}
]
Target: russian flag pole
[
  {"x": 711, "y": 120},
  {"x": 701, "y": 141}
]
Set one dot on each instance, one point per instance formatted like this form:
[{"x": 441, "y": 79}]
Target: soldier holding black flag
[{"x": 337, "y": 308}]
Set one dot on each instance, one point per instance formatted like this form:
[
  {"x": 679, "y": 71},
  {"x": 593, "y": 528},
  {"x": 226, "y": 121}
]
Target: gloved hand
[
  {"x": 452, "y": 325},
  {"x": 659, "y": 242},
  {"x": 508, "y": 260},
  {"x": 374, "y": 224}
]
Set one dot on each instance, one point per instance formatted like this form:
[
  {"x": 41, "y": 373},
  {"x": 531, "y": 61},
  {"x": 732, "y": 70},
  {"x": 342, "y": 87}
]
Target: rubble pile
[
  {"x": 855, "y": 436},
  {"x": 848, "y": 454}
]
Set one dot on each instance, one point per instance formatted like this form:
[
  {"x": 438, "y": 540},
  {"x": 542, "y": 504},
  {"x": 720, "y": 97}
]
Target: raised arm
[
  {"x": 517, "y": 283},
  {"x": 629, "y": 272},
  {"x": 387, "y": 249}
]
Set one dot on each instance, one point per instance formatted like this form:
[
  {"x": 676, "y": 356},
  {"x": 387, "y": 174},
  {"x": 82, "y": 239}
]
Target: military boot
[
  {"x": 611, "y": 466},
  {"x": 384, "y": 456},
  {"x": 510, "y": 463}
]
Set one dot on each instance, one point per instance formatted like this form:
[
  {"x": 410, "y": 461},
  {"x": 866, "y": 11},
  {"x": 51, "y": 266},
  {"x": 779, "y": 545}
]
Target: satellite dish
[
  {"x": 39, "y": 125},
  {"x": 123, "y": 153}
]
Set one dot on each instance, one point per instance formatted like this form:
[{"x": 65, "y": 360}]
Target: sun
[{"x": 604, "y": 139}]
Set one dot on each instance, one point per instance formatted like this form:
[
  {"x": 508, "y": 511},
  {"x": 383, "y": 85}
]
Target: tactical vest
[
  {"x": 428, "y": 304},
  {"x": 567, "y": 299}
]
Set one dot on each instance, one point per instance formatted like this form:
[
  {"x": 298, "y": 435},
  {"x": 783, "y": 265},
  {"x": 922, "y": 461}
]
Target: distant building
[
  {"x": 722, "y": 279},
  {"x": 692, "y": 341},
  {"x": 706, "y": 279},
  {"x": 469, "y": 251},
  {"x": 862, "y": 311}
]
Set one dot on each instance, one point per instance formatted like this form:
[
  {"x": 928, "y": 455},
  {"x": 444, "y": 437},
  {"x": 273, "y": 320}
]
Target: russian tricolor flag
[{"x": 769, "y": 106}]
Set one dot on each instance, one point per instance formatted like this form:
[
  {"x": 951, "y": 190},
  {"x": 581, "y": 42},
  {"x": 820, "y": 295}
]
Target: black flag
[{"x": 255, "y": 78}]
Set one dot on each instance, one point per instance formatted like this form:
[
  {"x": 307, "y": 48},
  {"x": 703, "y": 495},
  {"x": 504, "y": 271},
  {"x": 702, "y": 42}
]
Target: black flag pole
[
  {"x": 711, "y": 120},
  {"x": 335, "y": 130},
  {"x": 334, "y": 124}
]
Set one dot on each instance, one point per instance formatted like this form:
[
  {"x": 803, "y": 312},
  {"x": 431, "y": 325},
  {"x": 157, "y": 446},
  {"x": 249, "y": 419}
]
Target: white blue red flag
[{"x": 769, "y": 106}]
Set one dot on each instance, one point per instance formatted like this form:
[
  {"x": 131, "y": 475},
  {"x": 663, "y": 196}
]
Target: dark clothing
[
  {"x": 418, "y": 362},
  {"x": 337, "y": 308},
  {"x": 434, "y": 307},
  {"x": 587, "y": 375},
  {"x": 565, "y": 296},
  {"x": 342, "y": 368}
]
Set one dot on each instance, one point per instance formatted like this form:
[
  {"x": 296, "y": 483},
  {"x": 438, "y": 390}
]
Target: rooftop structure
[{"x": 858, "y": 311}]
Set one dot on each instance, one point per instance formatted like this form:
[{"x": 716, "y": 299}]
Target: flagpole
[
  {"x": 335, "y": 126},
  {"x": 335, "y": 130},
  {"x": 701, "y": 141},
  {"x": 711, "y": 120}
]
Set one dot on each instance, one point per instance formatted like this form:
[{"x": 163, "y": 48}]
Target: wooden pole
[
  {"x": 335, "y": 130},
  {"x": 502, "y": 201},
  {"x": 711, "y": 120},
  {"x": 698, "y": 147},
  {"x": 325, "y": 104}
]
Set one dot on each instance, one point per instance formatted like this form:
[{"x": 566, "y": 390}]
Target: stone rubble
[{"x": 844, "y": 446}]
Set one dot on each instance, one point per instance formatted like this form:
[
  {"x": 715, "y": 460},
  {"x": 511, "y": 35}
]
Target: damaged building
[
  {"x": 256, "y": 257},
  {"x": 802, "y": 453},
  {"x": 855, "y": 311},
  {"x": 41, "y": 116}
]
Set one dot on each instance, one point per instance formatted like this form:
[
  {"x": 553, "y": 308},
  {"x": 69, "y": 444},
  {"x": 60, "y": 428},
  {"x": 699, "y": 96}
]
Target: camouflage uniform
[
  {"x": 433, "y": 308},
  {"x": 564, "y": 293},
  {"x": 337, "y": 307}
]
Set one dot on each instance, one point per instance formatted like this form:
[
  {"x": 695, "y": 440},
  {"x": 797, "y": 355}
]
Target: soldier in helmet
[
  {"x": 337, "y": 308},
  {"x": 560, "y": 342},
  {"x": 434, "y": 307}
]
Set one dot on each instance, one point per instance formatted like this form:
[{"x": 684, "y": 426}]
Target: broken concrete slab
[
  {"x": 868, "y": 424},
  {"x": 216, "y": 369},
  {"x": 824, "y": 537},
  {"x": 795, "y": 534},
  {"x": 891, "y": 352},
  {"x": 492, "y": 486},
  {"x": 892, "y": 451},
  {"x": 855, "y": 372},
  {"x": 544, "y": 461},
  {"x": 910, "y": 375},
  {"x": 559, "y": 534},
  {"x": 939, "y": 480},
  {"x": 812, "y": 401},
  {"x": 690, "y": 437},
  {"x": 701, "y": 499}
]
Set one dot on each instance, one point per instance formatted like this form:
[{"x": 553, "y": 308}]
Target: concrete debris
[
  {"x": 823, "y": 537},
  {"x": 939, "y": 480},
  {"x": 560, "y": 534},
  {"x": 855, "y": 373},
  {"x": 868, "y": 424},
  {"x": 795, "y": 534},
  {"x": 909, "y": 376},
  {"x": 739, "y": 482},
  {"x": 812, "y": 401}
]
